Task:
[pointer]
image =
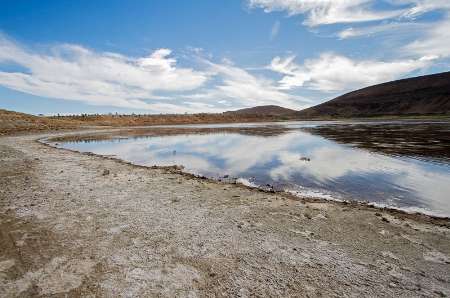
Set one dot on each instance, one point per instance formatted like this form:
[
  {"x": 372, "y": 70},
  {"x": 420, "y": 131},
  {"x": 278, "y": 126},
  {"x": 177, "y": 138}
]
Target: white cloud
[
  {"x": 275, "y": 29},
  {"x": 245, "y": 89},
  {"x": 429, "y": 38},
  {"x": 328, "y": 11},
  {"x": 76, "y": 73},
  {"x": 73, "y": 72},
  {"x": 435, "y": 41},
  {"x": 322, "y": 12},
  {"x": 387, "y": 28},
  {"x": 397, "y": 18},
  {"x": 330, "y": 72},
  {"x": 419, "y": 7},
  {"x": 435, "y": 36}
]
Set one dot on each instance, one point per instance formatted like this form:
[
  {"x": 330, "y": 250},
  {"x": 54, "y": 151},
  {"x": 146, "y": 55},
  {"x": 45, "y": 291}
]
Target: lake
[{"x": 400, "y": 164}]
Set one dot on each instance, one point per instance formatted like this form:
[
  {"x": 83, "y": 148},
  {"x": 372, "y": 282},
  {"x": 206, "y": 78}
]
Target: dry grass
[
  {"x": 14, "y": 122},
  {"x": 167, "y": 119}
]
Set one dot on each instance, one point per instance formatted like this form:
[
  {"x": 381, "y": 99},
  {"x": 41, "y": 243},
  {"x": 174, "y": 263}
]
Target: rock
[
  {"x": 308, "y": 216},
  {"x": 436, "y": 257},
  {"x": 384, "y": 232},
  {"x": 6, "y": 265},
  {"x": 440, "y": 293},
  {"x": 105, "y": 172},
  {"x": 319, "y": 216},
  {"x": 388, "y": 254}
]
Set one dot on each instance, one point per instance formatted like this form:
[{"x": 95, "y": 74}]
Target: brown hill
[
  {"x": 269, "y": 110},
  {"x": 424, "y": 95},
  {"x": 13, "y": 122}
]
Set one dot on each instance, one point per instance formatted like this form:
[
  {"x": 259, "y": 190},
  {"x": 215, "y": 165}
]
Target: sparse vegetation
[{"x": 13, "y": 122}]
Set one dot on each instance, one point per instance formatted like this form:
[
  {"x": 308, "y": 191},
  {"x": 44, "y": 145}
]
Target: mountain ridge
[
  {"x": 268, "y": 110},
  {"x": 423, "y": 95}
]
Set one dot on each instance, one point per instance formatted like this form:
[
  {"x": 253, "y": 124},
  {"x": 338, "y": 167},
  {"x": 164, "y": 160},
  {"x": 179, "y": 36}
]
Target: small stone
[{"x": 105, "y": 172}]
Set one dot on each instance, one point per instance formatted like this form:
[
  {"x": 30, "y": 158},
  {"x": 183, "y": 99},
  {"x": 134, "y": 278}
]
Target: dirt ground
[{"x": 69, "y": 228}]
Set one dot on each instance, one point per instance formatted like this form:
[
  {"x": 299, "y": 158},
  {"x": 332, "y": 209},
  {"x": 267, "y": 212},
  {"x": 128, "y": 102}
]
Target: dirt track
[{"x": 69, "y": 230}]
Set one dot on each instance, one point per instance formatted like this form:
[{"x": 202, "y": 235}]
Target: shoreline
[
  {"x": 177, "y": 169},
  {"x": 86, "y": 125},
  {"x": 286, "y": 193},
  {"x": 69, "y": 227}
]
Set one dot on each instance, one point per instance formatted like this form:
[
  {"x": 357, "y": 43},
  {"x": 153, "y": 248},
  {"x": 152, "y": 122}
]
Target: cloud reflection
[{"x": 333, "y": 167}]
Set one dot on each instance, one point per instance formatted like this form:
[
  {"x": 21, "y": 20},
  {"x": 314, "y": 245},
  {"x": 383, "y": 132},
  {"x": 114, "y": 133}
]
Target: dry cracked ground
[{"x": 69, "y": 228}]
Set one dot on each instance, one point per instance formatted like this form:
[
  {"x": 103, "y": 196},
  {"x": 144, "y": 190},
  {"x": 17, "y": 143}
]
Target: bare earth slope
[
  {"x": 14, "y": 122},
  {"x": 263, "y": 111},
  {"x": 425, "y": 95},
  {"x": 68, "y": 228}
]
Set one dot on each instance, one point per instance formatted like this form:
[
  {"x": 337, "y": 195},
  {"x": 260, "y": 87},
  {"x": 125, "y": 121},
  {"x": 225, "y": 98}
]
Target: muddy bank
[{"x": 68, "y": 227}]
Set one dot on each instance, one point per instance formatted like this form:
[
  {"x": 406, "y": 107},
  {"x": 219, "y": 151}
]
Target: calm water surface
[{"x": 399, "y": 164}]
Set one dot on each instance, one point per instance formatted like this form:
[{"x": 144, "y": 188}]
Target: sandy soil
[{"x": 69, "y": 228}]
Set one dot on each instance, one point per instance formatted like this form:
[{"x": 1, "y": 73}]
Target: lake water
[{"x": 398, "y": 164}]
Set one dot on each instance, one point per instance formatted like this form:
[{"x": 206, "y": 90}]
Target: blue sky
[{"x": 150, "y": 56}]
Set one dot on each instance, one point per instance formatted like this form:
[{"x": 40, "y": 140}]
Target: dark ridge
[
  {"x": 269, "y": 110},
  {"x": 424, "y": 95}
]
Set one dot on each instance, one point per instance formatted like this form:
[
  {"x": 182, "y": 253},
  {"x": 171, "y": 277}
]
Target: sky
[{"x": 177, "y": 56}]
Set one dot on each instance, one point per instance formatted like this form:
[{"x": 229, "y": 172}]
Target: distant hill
[
  {"x": 424, "y": 95},
  {"x": 420, "y": 96},
  {"x": 269, "y": 110},
  {"x": 13, "y": 122}
]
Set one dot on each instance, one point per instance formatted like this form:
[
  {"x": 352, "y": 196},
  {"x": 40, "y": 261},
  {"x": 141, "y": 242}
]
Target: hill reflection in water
[{"x": 308, "y": 158}]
